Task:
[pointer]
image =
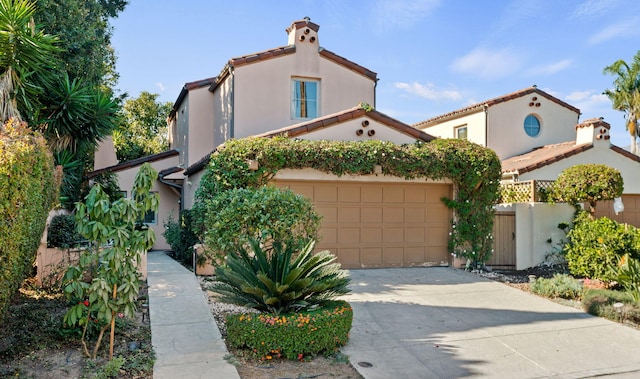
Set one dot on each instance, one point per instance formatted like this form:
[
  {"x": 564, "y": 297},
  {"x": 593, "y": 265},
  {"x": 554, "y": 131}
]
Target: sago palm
[
  {"x": 26, "y": 58},
  {"x": 280, "y": 279}
]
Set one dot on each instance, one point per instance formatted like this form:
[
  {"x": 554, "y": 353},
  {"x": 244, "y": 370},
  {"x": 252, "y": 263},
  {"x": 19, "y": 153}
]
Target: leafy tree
[
  {"x": 587, "y": 182},
  {"x": 85, "y": 36},
  {"x": 27, "y": 56},
  {"x": 143, "y": 130},
  {"x": 117, "y": 241},
  {"x": 625, "y": 94}
]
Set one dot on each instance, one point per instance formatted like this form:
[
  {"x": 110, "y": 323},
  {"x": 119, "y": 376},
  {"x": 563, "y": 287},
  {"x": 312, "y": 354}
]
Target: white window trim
[{"x": 293, "y": 88}]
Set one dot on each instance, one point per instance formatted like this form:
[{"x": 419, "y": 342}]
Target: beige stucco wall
[
  {"x": 262, "y": 92},
  {"x": 105, "y": 154},
  {"x": 191, "y": 184},
  {"x": 506, "y": 135},
  {"x": 315, "y": 175},
  {"x": 200, "y": 140},
  {"x": 475, "y": 123},
  {"x": 536, "y": 223},
  {"x": 179, "y": 131},
  {"x": 346, "y": 131},
  {"x": 169, "y": 199},
  {"x": 600, "y": 153}
]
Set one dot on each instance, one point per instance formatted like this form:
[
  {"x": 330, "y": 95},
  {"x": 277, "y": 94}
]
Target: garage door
[
  {"x": 631, "y": 214},
  {"x": 380, "y": 224}
]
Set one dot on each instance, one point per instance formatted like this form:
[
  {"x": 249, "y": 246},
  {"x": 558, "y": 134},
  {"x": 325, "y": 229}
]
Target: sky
[{"x": 431, "y": 56}]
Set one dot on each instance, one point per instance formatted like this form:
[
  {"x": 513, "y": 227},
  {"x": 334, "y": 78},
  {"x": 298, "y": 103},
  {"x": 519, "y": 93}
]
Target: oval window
[{"x": 532, "y": 125}]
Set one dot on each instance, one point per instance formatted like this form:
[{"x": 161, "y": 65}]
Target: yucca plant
[{"x": 278, "y": 279}]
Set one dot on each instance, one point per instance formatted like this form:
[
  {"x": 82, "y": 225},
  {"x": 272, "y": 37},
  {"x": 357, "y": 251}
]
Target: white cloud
[
  {"x": 620, "y": 29},
  {"x": 160, "y": 86},
  {"x": 590, "y": 102},
  {"x": 593, "y": 8},
  {"x": 488, "y": 64},
  {"x": 428, "y": 91},
  {"x": 551, "y": 68},
  {"x": 402, "y": 14}
]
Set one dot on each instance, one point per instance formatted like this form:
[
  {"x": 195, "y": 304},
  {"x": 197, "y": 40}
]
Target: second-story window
[
  {"x": 461, "y": 132},
  {"x": 304, "y": 98}
]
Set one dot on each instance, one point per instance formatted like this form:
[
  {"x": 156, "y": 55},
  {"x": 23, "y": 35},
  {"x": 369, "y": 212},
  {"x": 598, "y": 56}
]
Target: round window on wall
[{"x": 532, "y": 125}]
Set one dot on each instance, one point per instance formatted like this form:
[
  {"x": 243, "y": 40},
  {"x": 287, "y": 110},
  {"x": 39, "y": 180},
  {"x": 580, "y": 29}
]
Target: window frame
[
  {"x": 458, "y": 129},
  {"x": 295, "y": 101},
  {"x": 528, "y": 128}
]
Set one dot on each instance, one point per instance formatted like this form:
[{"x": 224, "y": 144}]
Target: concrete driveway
[{"x": 446, "y": 323}]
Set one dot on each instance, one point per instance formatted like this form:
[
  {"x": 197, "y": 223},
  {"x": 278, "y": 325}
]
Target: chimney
[
  {"x": 303, "y": 32},
  {"x": 593, "y": 131}
]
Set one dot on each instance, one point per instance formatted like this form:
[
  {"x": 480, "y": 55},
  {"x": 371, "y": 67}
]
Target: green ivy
[{"x": 474, "y": 170}]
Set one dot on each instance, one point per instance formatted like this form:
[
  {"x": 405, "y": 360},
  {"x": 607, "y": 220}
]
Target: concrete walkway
[
  {"x": 447, "y": 323},
  {"x": 184, "y": 334}
]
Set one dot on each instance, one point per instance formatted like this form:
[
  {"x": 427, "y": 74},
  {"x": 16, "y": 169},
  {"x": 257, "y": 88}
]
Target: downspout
[
  {"x": 375, "y": 97},
  {"x": 177, "y": 188},
  {"x": 486, "y": 125},
  {"x": 233, "y": 106}
]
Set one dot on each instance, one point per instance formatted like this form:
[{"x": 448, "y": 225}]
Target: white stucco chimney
[
  {"x": 303, "y": 33},
  {"x": 594, "y": 131}
]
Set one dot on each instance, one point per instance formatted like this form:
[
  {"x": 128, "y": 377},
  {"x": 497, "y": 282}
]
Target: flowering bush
[{"x": 291, "y": 336}]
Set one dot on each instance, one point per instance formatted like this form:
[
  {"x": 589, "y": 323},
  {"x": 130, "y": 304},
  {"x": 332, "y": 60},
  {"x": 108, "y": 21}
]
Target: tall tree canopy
[
  {"x": 85, "y": 36},
  {"x": 625, "y": 94},
  {"x": 143, "y": 130}
]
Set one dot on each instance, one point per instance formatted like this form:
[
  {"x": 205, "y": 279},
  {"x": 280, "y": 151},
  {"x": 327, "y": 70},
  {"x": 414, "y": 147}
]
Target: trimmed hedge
[
  {"x": 28, "y": 190},
  {"x": 291, "y": 336}
]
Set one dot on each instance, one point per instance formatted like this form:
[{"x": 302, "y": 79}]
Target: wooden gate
[{"x": 504, "y": 241}]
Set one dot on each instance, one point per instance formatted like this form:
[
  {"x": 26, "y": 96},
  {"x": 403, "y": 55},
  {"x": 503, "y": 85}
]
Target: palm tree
[
  {"x": 26, "y": 58},
  {"x": 625, "y": 94}
]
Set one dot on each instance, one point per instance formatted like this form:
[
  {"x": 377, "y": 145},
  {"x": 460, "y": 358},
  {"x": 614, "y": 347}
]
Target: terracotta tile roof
[
  {"x": 327, "y": 121},
  {"x": 596, "y": 122},
  {"x": 488, "y": 103},
  {"x": 305, "y": 23},
  {"x": 185, "y": 89},
  {"x": 542, "y": 156},
  {"x": 348, "y": 64},
  {"x": 624, "y": 152},
  {"x": 133, "y": 163},
  {"x": 349, "y": 114}
]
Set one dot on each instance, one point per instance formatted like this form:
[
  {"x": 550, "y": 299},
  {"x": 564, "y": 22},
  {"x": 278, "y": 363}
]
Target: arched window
[{"x": 532, "y": 125}]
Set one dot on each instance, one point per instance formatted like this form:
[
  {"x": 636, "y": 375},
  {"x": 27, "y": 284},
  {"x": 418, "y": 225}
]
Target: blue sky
[{"x": 431, "y": 56}]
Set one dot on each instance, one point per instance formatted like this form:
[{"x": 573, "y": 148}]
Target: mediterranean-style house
[
  {"x": 303, "y": 91},
  {"x": 537, "y": 136}
]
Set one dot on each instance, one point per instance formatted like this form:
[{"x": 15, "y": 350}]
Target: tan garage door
[
  {"x": 631, "y": 214},
  {"x": 380, "y": 224}
]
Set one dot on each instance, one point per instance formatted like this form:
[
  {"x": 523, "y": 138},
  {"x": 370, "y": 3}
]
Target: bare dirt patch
[{"x": 34, "y": 344}]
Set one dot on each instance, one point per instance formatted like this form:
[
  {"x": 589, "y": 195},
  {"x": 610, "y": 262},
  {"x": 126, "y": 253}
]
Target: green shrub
[
  {"x": 62, "y": 232},
  {"x": 599, "y": 302},
  {"x": 627, "y": 275},
  {"x": 280, "y": 279},
  {"x": 264, "y": 214},
  {"x": 587, "y": 182},
  {"x": 595, "y": 246},
  {"x": 560, "y": 285},
  {"x": 28, "y": 190},
  {"x": 180, "y": 237},
  {"x": 292, "y": 336}
]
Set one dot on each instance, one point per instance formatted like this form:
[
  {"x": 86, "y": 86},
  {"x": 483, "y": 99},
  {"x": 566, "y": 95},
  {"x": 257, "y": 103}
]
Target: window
[
  {"x": 304, "y": 99},
  {"x": 150, "y": 217},
  {"x": 461, "y": 132},
  {"x": 531, "y": 125}
]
